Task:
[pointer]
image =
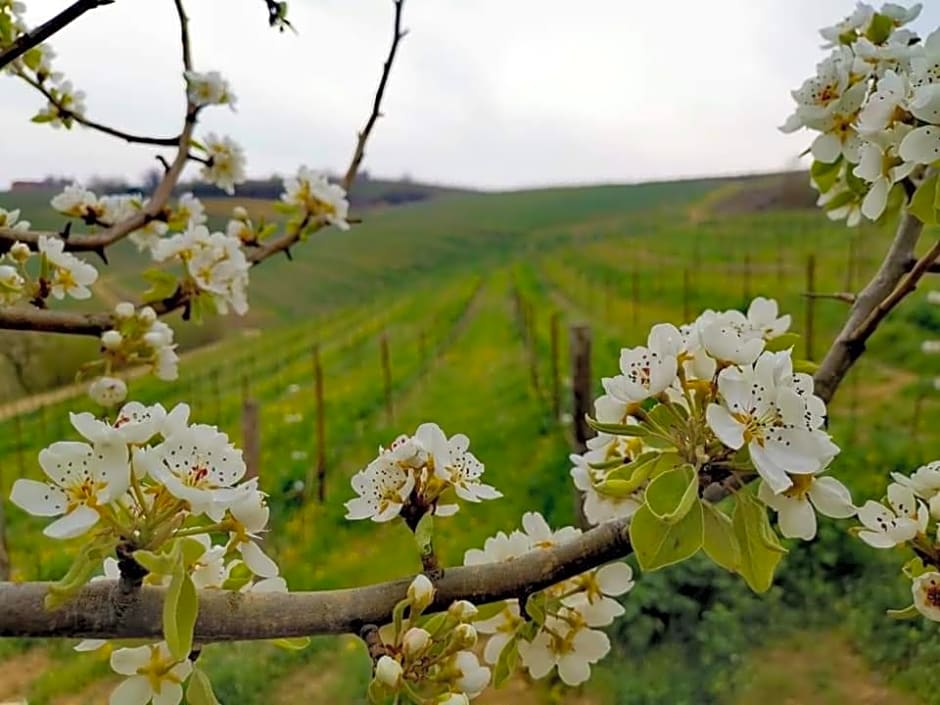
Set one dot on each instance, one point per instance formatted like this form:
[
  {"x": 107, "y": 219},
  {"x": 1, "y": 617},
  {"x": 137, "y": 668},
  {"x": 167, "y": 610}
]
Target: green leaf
[
  {"x": 839, "y": 200},
  {"x": 296, "y": 644},
  {"x": 621, "y": 489},
  {"x": 158, "y": 563},
  {"x": 506, "y": 663},
  {"x": 880, "y": 28},
  {"x": 424, "y": 534},
  {"x": 760, "y": 548},
  {"x": 825, "y": 175},
  {"x": 914, "y": 568},
  {"x": 238, "y": 577},
  {"x": 33, "y": 58},
  {"x": 782, "y": 342},
  {"x": 617, "y": 429},
  {"x": 909, "y": 612},
  {"x": 857, "y": 185},
  {"x": 672, "y": 494},
  {"x": 923, "y": 203},
  {"x": 807, "y": 366},
  {"x": 180, "y": 608},
  {"x": 535, "y": 609},
  {"x": 489, "y": 611},
  {"x": 199, "y": 690},
  {"x": 162, "y": 284},
  {"x": 658, "y": 544},
  {"x": 720, "y": 544},
  {"x": 41, "y": 118},
  {"x": 609, "y": 464}
]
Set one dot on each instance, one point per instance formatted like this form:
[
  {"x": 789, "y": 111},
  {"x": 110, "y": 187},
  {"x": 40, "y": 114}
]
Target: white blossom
[
  {"x": 796, "y": 507},
  {"x": 569, "y": 645},
  {"x": 761, "y": 409},
  {"x": 153, "y": 676},
  {"x": 81, "y": 479},
  {"x": 10, "y": 220},
  {"x": 226, "y": 166},
  {"x": 926, "y": 592},
  {"x": 901, "y": 521},
  {"x": 78, "y": 202},
  {"x": 208, "y": 89},
  {"x": 646, "y": 371},
  {"x": 69, "y": 276},
  {"x": 312, "y": 191}
]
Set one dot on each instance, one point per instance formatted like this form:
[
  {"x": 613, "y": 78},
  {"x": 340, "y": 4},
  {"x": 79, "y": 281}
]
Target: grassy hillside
[{"x": 440, "y": 280}]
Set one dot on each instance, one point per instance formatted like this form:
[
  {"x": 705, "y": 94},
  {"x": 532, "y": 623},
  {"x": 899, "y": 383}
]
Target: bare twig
[
  {"x": 27, "y": 41},
  {"x": 360, "y": 151},
  {"x": 845, "y": 296},
  {"x": 225, "y": 616},
  {"x": 99, "y": 127}
]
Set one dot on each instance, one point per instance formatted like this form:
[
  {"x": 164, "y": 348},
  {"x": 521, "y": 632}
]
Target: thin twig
[
  {"x": 845, "y": 296},
  {"x": 27, "y": 41},
  {"x": 360, "y": 151},
  {"x": 91, "y": 124}
]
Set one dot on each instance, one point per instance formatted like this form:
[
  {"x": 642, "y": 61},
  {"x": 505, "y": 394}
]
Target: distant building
[{"x": 34, "y": 186}]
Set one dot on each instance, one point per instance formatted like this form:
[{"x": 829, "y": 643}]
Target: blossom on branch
[{"x": 226, "y": 163}]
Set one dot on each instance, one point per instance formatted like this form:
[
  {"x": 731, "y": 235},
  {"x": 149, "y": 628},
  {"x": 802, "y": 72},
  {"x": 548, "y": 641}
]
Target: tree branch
[
  {"x": 850, "y": 342},
  {"x": 227, "y": 616},
  {"x": 27, "y": 41},
  {"x": 91, "y": 124}
]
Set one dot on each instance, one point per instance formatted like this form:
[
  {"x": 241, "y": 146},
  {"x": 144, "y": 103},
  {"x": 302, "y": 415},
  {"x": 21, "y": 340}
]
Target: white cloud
[{"x": 487, "y": 92}]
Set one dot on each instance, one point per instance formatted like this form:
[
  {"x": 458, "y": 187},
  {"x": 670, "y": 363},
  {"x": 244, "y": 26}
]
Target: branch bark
[
  {"x": 227, "y": 616},
  {"x": 850, "y": 342},
  {"x": 27, "y": 41}
]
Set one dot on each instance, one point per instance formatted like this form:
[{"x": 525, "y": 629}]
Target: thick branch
[
  {"x": 226, "y": 616},
  {"x": 850, "y": 343},
  {"x": 27, "y": 41}
]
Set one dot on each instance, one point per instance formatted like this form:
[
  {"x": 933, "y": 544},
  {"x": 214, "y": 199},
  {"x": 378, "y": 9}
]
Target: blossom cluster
[
  {"x": 721, "y": 395},
  {"x": 875, "y": 102},
  {"x": 313, "y": 194},
  {"x": 138, "y": 337},
  {"x": 422, "y": 472},
  {"x": 909, "y": 515},
  {"x": 560, "y": 629},
  {"x": 428, "y": 659},
  {"x": 56, "y": 273},
  {"x": 153, "y": 486}
]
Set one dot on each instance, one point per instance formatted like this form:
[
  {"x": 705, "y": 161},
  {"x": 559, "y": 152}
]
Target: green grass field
[{"x": 440, "y": 279}]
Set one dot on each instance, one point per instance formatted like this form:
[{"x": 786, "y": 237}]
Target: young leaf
[
  {"x": 162, "y": 284},
  {"x": 179, "y": 613},
  {"x": 909, "y": 612},
  {"x": 424, "y": 534},
  {"x": 199, "y": 690},
  {"x": 782, "y": 342},
  {"x": 671, "y": 495},
  {"x": 79, "y": 573},
  {"x": 923, "y": 202},
  {"x": 721, "y": 545},
  {"x": 295, "y": 644},
  {"x": 760, "y": 548},
  {"x": 617, "y": 429},
  {"x": 658, "y": 544},
  {"x": 825, "y": 175},
  {"x": 506, "y": 663}
]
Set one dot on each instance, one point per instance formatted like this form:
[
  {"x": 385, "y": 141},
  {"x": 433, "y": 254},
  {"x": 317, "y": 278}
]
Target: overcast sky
[{"x": 487, "y": 93}]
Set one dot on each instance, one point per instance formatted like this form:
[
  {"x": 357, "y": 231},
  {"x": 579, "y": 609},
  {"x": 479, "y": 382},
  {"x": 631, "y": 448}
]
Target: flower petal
[
  {"x": 134, "y": 691},
  {"x": 76, "y": 523},
  {"x": 831, "y": 498},
  {"x": 38, "y": 498}
]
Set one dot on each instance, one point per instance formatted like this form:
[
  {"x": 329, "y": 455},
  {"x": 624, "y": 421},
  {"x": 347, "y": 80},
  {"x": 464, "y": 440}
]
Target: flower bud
[
  {"x": 388, "y": 671},
  {"x": 10, "y": 279},
  {"x": 147, "y": 314},
  {"x": 935, "y": 507},
  {"x": 465, "y": 636},
  {"x": 420, "y": 593},
  {"x": 20, "y": 252},
  {"x": 125, "y": 309},
  {"x": 111, "y": 339},
  {"x": 415, "y": 641},
  {"x": 107, "y": 391},
  {"x": 239, "y": 213},
  {"x": 463, "y": 611},
  {"x": 155, "y": 339}
]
